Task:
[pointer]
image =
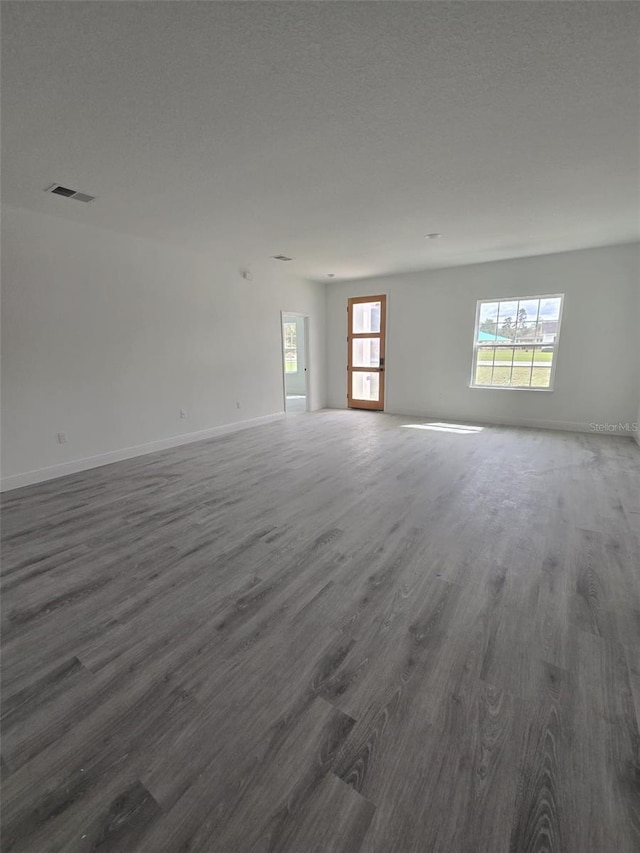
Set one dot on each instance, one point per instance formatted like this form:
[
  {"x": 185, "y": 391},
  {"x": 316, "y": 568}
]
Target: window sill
[{"x": 509, "y": 388}]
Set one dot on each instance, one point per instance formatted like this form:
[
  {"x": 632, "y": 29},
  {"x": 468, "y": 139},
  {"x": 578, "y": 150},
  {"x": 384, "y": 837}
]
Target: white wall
[
  {"x": 107, "y": 337},
  {"x": 430, "y": 322}
]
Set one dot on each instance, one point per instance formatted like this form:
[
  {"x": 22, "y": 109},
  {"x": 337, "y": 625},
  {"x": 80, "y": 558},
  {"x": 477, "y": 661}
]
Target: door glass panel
[
  {"x": 365, "y": 352},
  {"x": 365, "y": 386},
  {"x": 366, "y": 317}
]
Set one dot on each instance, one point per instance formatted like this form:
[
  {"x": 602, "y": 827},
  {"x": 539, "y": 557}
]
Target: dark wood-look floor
[{"x": 333, "y": 634}]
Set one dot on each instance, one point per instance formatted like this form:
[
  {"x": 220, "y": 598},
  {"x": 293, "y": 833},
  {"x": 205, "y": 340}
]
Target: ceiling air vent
[
  {"x": 281, "y": 258},
  {"x": 56, "y": 189}
]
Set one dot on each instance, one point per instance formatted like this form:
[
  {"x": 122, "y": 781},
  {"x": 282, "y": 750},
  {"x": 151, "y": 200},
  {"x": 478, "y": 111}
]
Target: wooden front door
[{"x": 366, "y": 319}]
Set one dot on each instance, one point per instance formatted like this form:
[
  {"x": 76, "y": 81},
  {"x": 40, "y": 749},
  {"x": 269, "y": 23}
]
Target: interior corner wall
[
  {"x": 107, "y": 337},
  {"x": 637, "y": 276},
  {"x": 430, "y": 326}
]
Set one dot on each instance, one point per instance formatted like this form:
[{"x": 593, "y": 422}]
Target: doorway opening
[{"x": 295, "y": 338}]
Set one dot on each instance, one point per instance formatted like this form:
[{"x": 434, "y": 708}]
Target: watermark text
[{"x": 619, "y": 427}]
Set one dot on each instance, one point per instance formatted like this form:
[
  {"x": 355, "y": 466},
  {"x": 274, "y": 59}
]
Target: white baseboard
[{"x": 28, "y": 478}]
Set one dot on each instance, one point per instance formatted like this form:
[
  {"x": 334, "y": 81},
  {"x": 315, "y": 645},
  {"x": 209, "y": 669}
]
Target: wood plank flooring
[{"x": 331, "y": 634}]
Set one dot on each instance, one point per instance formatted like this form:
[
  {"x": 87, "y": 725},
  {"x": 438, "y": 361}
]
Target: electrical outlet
[
  {"x": 183, "y": 413},
  {"x": 237, "y": 404},
  {"x": 62, "y": 438}
]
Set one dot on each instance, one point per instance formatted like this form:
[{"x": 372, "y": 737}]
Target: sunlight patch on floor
[{"x": 460, "y": 429}]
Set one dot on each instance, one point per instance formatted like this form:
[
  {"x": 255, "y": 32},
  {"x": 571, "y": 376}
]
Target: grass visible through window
[{"x": 516, "y": 342}]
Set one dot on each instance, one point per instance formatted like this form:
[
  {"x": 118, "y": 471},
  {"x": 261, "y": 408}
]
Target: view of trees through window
[{"x": 515, "y": 342}]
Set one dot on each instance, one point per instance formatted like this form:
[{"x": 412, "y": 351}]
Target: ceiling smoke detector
[
  {"x": 281, "y": 258},
  {"x": 65, "y": 192},
  {"x": 433, "y": 236}
]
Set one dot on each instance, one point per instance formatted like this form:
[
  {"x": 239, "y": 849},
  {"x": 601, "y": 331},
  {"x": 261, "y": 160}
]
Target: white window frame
[{"x": 554, "y": 361}]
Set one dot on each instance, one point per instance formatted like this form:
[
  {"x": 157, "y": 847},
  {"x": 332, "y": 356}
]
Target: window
[
  {"x": 290, "y": 348},
  {"x": 516, "y": 342}
]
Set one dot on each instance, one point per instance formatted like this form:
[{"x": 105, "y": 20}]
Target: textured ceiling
[{"x": 336, "y": 133}]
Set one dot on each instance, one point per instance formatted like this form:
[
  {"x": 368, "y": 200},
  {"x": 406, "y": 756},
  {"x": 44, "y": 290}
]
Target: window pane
[
  {"x": 523, "y": 357},
  {"x": 507, "y": 315},
  {"x": 508, "y": 308},
  {"x": 365, "y": 352},
  {"x": 504, "y": 356},
  {"x": 520, "y": 376},
  {"x": 526, "y": 331},
  {"x": 487, "y": 322},
  {"x": 548, "y": 332},
  {"x": 501, "y": 376},
  {"x": 290, "y": 335},
  {"x": 488, "y": 311},
  {"x": 366, "y": 317},
  {"x": 541, "y": 377},
  {"x": 290, "y": 347},
  {"x": 483, "y": 374},
  {"x": 550, "y": 308},
  {"x": 365, "y": 386},
  {"x": 542, "y": 356},
  {"x": 291, "y": 361},
  {"x": 486, "y": 354},
  {"x": 488, "y": 331},
  {"x": 530, "y": 307}
]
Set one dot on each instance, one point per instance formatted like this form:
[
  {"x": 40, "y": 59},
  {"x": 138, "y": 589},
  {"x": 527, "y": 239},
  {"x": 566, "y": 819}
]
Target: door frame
[
  {"x": 375, "y": 405},
  {"x": 307, "y": 385}
]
